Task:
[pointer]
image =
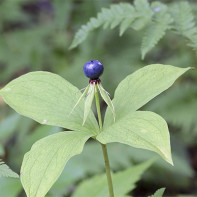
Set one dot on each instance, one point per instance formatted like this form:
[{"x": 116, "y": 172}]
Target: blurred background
[{"x": 36, "y": 35}]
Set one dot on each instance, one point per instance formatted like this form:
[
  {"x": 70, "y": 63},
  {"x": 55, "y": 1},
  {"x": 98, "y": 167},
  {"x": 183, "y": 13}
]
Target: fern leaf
[
  {"x": 158, "y": 193},
  {"x": 139, "y": 15},
  {"x": 144, "y": 14},
  {"x": 157, "y": 28},
  {"x": 184, "y": 22},
  {"x": 110, "y": 17},
  {"x": 5, "y": 171},
  {"x": 184, "y": 19},
  {"x": 129, "y": 17}
]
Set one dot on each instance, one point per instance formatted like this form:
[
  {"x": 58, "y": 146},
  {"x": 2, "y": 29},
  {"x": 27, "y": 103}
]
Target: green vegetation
[{"x": 39, "y": 35}]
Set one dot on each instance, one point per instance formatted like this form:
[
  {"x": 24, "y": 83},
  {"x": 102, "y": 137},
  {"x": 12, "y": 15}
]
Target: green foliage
[
  {"x": 10, "y": 187},
  {"x": 123, "y": 13},
  {"x": 156, "y": 18},
  {"x": 158, "y": 193},
  {"x": 38, "y": 40},
  {"x": 156, "y": 29},
  {"x": 5, "y": 171},
  {"x": 8, "y": 126},
  {"x": 173, "y": 106},
  {"x": 35, "y": 95},
  {"x": 15, "y": 11},
  {"x": 123, "y": 182},
  {"x": 107, "y": 99},
  {"x": 43, "y": 164},
  {"x": 185, "y": 22},
  {"x": 140, "y": 129},
  {"x": 88, "y": 102},
  {"x": 122, "y": 157},
  {"x": 140, "y": 87}
]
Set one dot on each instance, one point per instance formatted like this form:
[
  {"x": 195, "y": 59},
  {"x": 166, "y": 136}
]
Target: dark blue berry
[{"x": 93, "y": 69}]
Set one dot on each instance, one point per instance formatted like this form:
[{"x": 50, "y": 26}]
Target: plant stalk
[{"x": 104, "y": 147}]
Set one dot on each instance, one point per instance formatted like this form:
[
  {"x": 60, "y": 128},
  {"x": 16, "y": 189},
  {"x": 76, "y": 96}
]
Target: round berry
[{"x": 93, "y": 69}]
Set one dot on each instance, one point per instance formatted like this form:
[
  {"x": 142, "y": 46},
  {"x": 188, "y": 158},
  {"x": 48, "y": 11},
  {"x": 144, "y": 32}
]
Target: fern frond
[
  {"x": 184, "y": 22},
  {"x": 158, "y": 17},
  {"x": 183, "y": 18},
  {"x": 157, "y": 28},
  {"x": 5, "y": 171},
  {"x": 107, "y": 17},
  {"x": 123, "y": 14},
  {"x": 144, "y": 14}
]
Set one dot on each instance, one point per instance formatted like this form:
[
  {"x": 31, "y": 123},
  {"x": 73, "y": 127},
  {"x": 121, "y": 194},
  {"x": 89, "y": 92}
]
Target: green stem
[
  {"x": 104, "y": 147},
  {"x": 108, "y": 172}
]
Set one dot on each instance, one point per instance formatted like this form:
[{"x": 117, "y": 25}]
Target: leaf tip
[{"x": 167, "y": 157}]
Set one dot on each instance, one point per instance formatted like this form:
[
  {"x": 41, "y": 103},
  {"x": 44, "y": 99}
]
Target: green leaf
[
  {"x": 140, "y": 129},
  {"x": 126, "y": 24},
  {"x": 108, "y": 17},
  {"x": 140, "y": 87},
  {"x": 143, "y": 5},
  {"x": 123, "y": 182},
  {"x": 88, "y": 102},
  {"x": 158, "y": 193},
  {"x": 156, "y": 29},
  {"x": 180, "y": 100},
  {"x": 130, "y": 15},
  {"x": 48, "y": 99},
  {"x": 184, "y": 19},
  {"x": 185, "y": 22},
  {"x": 107, "y": 99},
  {"x": 144, "y": 14},
  {"x": 5, "y": 171},
  {"x": 43, "y": 164}
]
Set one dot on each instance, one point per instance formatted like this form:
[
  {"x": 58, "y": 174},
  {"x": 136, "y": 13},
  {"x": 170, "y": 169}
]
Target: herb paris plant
[{"x": 49, "y": 99}]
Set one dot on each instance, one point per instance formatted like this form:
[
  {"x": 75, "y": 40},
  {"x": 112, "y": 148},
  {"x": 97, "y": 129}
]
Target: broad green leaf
[
  {"x": 43, "y": 164},
  {"x": 107, "y": 99},
  {"x": 140, "y": 87},
  {"x": 88, "y": 102},
  {"x": 5, "y": 171},
  {"x": 141, "y": 129},
  {"x": 48, "y": 99},
  {"x": 158, "y": 193},
  {"x": 123, "y": 182}
]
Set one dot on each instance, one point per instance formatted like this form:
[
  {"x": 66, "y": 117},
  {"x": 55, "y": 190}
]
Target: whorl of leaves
[{"x": 156, "y": 18}]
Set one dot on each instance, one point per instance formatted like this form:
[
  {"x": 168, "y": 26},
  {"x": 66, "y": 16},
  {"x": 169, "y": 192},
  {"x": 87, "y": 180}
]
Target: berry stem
[{"x": 104, "y": 147}]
